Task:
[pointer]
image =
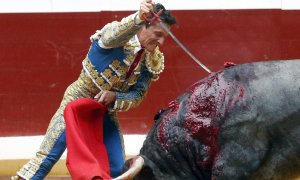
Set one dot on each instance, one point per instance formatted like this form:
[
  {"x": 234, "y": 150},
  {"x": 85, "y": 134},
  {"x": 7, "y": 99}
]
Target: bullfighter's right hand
[
  {"x": 145, "y": 8},
  {"x": 105, "y": 97}
]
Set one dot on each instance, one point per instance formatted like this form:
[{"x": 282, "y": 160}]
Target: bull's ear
[{"x": 132, "y": 167}]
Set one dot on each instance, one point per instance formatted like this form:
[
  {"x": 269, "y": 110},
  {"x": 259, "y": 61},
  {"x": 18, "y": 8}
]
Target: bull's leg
[{"x": 243, "y": 148}]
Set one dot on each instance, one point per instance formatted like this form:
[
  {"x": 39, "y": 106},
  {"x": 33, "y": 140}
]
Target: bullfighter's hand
[
  {"x": 105, "y": 97},
  {"x": 145, "y": 8}
]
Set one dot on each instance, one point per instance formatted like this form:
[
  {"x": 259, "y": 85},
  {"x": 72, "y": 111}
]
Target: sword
[
  {"x": 183, "y": 47},
  {"x": 166, "y": 28}
]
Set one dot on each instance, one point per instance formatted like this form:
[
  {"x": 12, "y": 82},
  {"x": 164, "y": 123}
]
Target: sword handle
[{"x": 155, "y": 17}]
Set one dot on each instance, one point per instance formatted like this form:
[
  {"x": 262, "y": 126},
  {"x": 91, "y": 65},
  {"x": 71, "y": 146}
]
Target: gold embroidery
[
  {"x": 129, "y": 59},
  {"x": 123, "y": 71},
  {"x": 100, "y": 80},
  {"x": 107, "y": 74},
  {"x": 114, "y": 80},
  {"x": 117, "y": 34},
  {"x": 155, "y": 61},
  {"x": 129, "y": 49},
  {"x": 54, "y": 131},
  {"x": 105, "y": 86},
  {"x": 120, "y": 104},
  {"x": 115, "y": 65},
  {"x": 118, "y": 85},
  {"x": 132, "y": 79},
  {"x": 118, "y": 68},
  {"x": 94, "y": 74},
  {"x": 102, "y": 83},
  {"x": 125, "y": 105},
  {"x": 109, "y": 77}
]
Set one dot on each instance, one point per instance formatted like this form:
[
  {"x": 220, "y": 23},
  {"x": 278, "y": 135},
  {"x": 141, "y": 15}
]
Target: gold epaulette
[{"x": 155, "y": 63}]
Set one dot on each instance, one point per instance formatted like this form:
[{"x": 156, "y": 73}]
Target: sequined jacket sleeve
[
  {"x": 118, "y": 33},
  {"x": 135, "y": 95}
]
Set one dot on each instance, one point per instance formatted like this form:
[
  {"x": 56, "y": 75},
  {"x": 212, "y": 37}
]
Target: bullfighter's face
[{"x": 152, "y": 36}]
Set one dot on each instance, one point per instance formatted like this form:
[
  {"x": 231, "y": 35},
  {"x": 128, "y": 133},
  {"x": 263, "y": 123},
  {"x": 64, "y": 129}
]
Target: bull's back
[
  {"x": 262, "y": 131},
  {"x": 272, "y": 89}
]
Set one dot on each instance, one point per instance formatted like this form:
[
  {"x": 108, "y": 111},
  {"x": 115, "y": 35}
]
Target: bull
[{"x": 242, "y": 122}]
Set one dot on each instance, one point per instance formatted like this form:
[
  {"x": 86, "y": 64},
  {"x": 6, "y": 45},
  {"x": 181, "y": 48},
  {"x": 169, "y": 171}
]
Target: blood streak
[
  {"x": 165, "y": 124},
  {"x": 200, "y": 114},
  {"x": 201, "y": 111},
  {"x": 208, "y": 103}
]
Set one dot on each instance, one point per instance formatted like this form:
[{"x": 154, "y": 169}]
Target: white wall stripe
[
  {"x": 34, "y": 6},
  {"x": 30, "y": 144},
  {"x": 291, "y": 4}
]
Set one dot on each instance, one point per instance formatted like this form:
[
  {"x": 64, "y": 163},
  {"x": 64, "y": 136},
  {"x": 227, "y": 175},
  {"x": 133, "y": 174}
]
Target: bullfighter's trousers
[{"x": 54, "y": 143}]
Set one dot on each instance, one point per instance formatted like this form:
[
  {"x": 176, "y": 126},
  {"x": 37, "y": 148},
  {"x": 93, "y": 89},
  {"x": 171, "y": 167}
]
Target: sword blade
[{"x": 183, "y": 47}]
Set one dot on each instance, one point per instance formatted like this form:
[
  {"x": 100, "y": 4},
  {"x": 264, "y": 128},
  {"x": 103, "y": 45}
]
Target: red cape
[{"x": 87, "y": 157}]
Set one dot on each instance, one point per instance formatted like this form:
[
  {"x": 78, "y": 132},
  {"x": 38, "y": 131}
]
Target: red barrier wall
[{"x": 41, "y": 55}]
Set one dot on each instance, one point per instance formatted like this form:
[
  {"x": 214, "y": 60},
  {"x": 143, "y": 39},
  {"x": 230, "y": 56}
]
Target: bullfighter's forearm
[
  {"x": 118, "y": 33},
  {"x": 131, "y": 99}
]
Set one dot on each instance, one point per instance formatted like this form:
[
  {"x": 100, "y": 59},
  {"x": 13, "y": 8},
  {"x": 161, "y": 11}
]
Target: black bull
[{"x": 240, "y": 123}]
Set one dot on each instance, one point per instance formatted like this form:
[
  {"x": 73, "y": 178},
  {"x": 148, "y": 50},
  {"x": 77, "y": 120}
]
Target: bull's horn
[{"x": 135, "y": 168}]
